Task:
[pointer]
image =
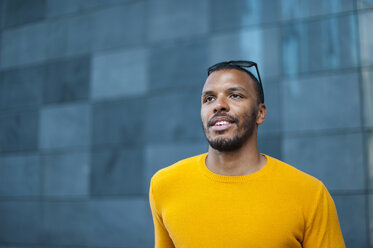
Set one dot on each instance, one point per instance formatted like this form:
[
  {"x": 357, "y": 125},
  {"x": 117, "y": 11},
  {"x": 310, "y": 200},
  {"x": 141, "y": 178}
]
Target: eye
[
  {"x": 208, "y": 99},
  {"x": 236, "y": 96}
]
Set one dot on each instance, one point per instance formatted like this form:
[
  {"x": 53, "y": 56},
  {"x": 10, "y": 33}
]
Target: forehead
[{"x": 226, "y": 78}]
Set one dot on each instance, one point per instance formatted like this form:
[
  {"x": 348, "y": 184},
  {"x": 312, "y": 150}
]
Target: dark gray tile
[
  {"x": 293, "y": 55},
  {"x": 261, "y": 45},
  {"x": 364, "y": 4},
  {"x": 86, "y": 5},
  {"x": 271, "y": 146},
  {"x": 174, "y": 116},
  {"x": 227, "y": 14},
  {"x": 1, "y": 15},
  {"x": 320, "y": 102},
  {"x": 159, "y": 156},
  {"x": 80, "y": 29},
  {"x": 57, "y": 38},
  {"x": 370, "y": 207},
  {"x": 66, "y": 174},
  {"x": 119, "y": 122},
  {"x": 56, "y": 8},
  {"x": 20, "y": 12},
  {"x": 272, "y": 99},
  {"x": 119, "y": 26},
  {"x": 24, "y": 45},
  {"x": 59, "y": 8},
  {"x": 117, "y": 171},
  {"x": 19, "y": 131},
  {"x": 33, "y": 43},
  {"x": 64, "y": 126},
  {"x": 369, "y": 152},
  {"x": 20, "y": 88},
  {"x": 366, "y": 38},
  {"x": 367, "y": 78},
  {"x": 20, "y": 175},
  {"x": 8, "y": 54},
  {"x": 67, "y": 81},
  {"x": 20, "y": 221},
  {"x": 106, "y": 223},
  {"x": 0, "y": 42},
  {"x": 79, "y": 34},
  {"x": 182, "y": 64},
  {"x": 319, "y": 45},
  {"x": 17, "y": 246},
  {"x": 336, "y": 160},
  {"x": 119, "y": 73},
  {"x": 302, "y": 9},
  {"x": 168, "y": 19},
  {"x": 352, "y": 215},
  {"x": 107, "y": 28}
]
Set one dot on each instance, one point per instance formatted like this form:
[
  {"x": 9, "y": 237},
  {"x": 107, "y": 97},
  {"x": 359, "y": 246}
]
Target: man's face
[{"x": 229, "y": 109}]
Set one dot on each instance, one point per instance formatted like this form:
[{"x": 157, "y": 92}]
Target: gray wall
[{"x": 95, "y": 96}]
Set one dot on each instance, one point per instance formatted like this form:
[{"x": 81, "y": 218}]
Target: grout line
[
  {"x": 269, "y": 78},
  {"x": 346, "y": 192},
  {"x": 74, "y": 199},
  {"x": 321, "y": 132},
  {"x": 142, "y": 196},
  {"x": 106, "y": 146},
  {"x": 38, "y": 245}
]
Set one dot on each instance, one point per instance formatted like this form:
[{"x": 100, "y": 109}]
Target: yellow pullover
[{"x": 275, "y": 207}]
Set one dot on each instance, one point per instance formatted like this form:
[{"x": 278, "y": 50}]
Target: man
[{"x": 233, "y": 196}]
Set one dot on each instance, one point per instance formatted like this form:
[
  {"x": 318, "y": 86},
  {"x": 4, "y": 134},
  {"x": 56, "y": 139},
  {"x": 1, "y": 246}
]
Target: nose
[{"x": 221, "y": 105}]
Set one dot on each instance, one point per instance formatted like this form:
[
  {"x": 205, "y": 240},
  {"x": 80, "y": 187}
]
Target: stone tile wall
[{"x": 96, "y": 96}]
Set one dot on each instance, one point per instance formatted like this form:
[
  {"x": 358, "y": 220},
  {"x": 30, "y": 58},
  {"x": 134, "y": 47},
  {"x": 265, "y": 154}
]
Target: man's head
[
  {"x": 232, "y": 106},
  {"x": 241, "y": 65}
]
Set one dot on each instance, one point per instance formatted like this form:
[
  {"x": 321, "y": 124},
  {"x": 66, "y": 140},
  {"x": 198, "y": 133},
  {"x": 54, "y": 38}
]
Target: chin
[{"x": 226, "y": 145}]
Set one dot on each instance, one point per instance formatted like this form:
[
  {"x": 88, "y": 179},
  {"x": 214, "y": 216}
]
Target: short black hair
[{"x": 226, "y": 66}]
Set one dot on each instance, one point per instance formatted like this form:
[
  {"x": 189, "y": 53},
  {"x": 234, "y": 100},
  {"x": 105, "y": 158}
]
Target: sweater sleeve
[
  {"x": 161, "y": 236},
  {"x": 322, "y": 225}
]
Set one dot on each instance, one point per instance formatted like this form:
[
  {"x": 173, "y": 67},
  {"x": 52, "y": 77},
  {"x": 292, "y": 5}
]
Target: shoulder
[
  {"x": 177, "y": 171},
  {"x": 299, "y": 188},
  {"x": 293, "y": 177}
]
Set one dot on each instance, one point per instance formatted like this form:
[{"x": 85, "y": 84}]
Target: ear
[{"x": 262, "y": 111}]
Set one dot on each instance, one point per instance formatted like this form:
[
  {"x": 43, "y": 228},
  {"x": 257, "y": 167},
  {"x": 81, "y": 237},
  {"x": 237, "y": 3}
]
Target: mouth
[{"x": 220, "y": 123}]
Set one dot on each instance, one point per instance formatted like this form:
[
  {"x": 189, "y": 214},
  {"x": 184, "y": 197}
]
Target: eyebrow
[
  {"x": 238, "y": 89},
  {"x": 232, "y": 89},
  {"x": 208, "y": 92}
]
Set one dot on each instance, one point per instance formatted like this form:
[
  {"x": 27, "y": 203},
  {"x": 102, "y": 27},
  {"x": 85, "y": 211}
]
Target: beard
[{"x": 245, "y": 131}]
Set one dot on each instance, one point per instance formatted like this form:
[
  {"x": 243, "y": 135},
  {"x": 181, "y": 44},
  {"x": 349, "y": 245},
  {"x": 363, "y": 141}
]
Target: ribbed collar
[{"x": 234, "y": 179}]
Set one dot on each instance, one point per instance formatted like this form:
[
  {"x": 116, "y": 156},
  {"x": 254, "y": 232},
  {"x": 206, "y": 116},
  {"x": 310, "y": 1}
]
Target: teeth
[{"x": 220, "y": 123}]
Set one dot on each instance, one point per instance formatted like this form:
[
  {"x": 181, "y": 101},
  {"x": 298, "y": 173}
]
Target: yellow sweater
[{"x": 278, "y": 206}]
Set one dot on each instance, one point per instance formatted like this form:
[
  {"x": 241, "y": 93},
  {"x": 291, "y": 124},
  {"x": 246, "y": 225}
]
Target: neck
[{"x": 243, "y": 161}]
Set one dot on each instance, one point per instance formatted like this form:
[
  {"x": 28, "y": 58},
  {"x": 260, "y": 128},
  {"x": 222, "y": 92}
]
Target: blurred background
[{"x": 97, "y": 95}]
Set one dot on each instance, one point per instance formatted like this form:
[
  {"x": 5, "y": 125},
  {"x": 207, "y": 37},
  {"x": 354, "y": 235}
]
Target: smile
[
  {"x": 221, "y": 125},
  {"x": 221, "y": 122}
]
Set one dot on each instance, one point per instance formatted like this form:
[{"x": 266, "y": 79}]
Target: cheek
[{"x": 204, "y": 114}]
